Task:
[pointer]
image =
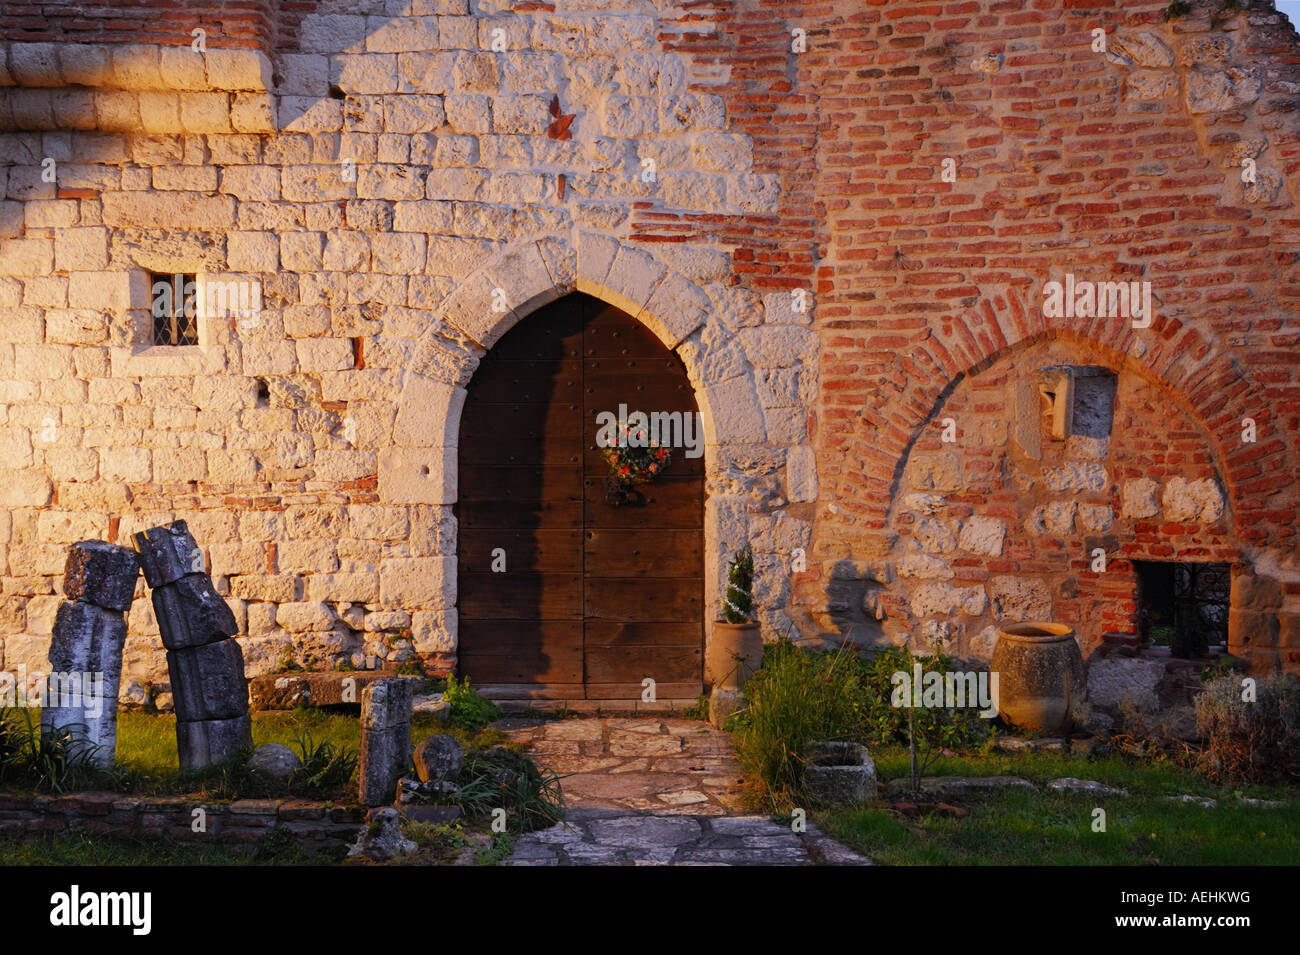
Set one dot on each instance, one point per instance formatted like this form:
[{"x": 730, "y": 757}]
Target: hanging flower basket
[{"x": 630, "y": 465}]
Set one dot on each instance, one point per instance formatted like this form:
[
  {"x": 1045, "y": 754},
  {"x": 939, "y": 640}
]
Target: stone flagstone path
[{"x": 654, "y": 791}]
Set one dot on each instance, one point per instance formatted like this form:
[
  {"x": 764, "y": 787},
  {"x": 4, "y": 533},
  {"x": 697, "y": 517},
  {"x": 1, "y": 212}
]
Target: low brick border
[{"x": 316, "y": 825}]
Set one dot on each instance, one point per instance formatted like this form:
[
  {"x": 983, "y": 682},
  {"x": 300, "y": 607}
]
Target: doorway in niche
[{"x": 564, "y": 590}]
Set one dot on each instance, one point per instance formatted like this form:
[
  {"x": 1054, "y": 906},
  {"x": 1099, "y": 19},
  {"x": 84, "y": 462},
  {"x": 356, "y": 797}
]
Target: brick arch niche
[{"x": 1029, "y": 470}]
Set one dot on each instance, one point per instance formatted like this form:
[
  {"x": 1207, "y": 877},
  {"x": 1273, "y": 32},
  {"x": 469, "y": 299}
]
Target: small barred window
[{"x": 175, "y": 308}]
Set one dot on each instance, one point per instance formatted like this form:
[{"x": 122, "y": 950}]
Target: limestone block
[
  {"x": 939, "y": 599},
  {"x": 398, "y": 254},
  {"x": 1195, "y": 501},
  {"x": 924, "y": 567},
  {"x": 1076, "y": 476},
  {"x": 1138, "y": 499},
  {"x": 1056, "y": 517},
  {"x": 86, "y": 64},
  {"x": 252, "y": 113},
  {"x": 1217, "y": 90},
  {"x": 413, "y": 113},
  {"x": 433, "y": 631},
  {"x": 934, "y": 536},
  {"x": 1020, "y": 598},
  {"x": 428, "y": 414},
  {"x": 302, "y": 616},
  {"x": 208, "y": 682},
  {"x": 332, "y": 33},
  {"x": 982, "y": 535},
  {"x": 417, "y": 582},
  {"x": 202, "y": 743},
  {"x": 754, "y": 194},
  {"x": 315, "y": 521},
  {"x": 1096, "y": 517},
  {"x": 133, "y": 465},
  {"x": 940, "y": 472},
  {"x": 266, "y": 587},
  {"x": 387, "y": 620},
  {"x": 26, "y": 257},
  {"x": 232, "y": 69},
  {"x": 1144, "y": 48},
  {"x": 324, "y": 354},
  {"x": 426, "y": 73},
  {"x": 401, "y": 34},
  {"x": 102, "y": 574}
]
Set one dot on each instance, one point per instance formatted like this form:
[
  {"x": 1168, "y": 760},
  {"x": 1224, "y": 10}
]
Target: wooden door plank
[
  {"x": 633, "y": 665},
  {"x": 643, "y": 552},
  {"x": 550, "y": 550},
  {"x": 520, "y": 596},
  {"x": 617, "y": 633},
  {"x": 663, "y": 600}
]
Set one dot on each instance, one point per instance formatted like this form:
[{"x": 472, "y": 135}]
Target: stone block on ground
[
  {"x": 208, "y": 682},
  {"x": 385, "y": 756},
  {"x": 722, "y": 703},
  {"x": 439, "y": 758},
  {"x": 275, "y": 762},
  {"x": 191, "y": 613},
  {"x": 840, "y": 773},
  {"x": 382, "y": 838},
  {"x": 385, "y": 738},
  {"x": 102, "y": 574},
  {"x": 167, "y": 553},
  {"x": 86, "y": 670},
  {"x": 284, "y": 691},
  {"x": 205, "y": 742}
]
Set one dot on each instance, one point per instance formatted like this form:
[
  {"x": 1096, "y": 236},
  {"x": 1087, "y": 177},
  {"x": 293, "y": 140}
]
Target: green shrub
[
  {"x": 799, "y": 697},
  {"x": 468, "y": 710},
  {"x": 794, "y": 699},
  {"x": 500, "y": 778},
  {"x": 1251, "y": 741}
]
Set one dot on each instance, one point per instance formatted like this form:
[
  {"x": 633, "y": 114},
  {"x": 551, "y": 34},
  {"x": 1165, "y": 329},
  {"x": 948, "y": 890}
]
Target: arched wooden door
[{"x": 564, "y": 592}]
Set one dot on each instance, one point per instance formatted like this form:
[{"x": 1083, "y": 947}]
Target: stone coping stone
[{"x": 284, "y": 691}]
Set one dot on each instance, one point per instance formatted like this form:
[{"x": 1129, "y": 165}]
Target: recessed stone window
[
  {"x": 174, "y": 307},
  {"x": 1077, "y": 399}
]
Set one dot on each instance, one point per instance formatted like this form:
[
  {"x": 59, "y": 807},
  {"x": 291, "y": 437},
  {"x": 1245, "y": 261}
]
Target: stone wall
[
  {"x": 403, "y": 185},
  {"x": 761, "y": 183},
  {"x": 317, "y": 826}
]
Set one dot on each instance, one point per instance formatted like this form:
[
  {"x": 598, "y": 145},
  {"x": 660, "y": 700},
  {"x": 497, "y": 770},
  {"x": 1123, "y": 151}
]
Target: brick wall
[{"x": 1122, "y": 166}]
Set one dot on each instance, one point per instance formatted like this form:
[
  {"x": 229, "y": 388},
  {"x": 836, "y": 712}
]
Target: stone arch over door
[{"x": 420, "y": 468}]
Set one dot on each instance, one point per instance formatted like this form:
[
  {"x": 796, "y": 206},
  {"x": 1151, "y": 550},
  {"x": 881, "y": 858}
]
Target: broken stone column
[
  {"x": 86, "y": 648},
  {"x": 206, "y": 666},
  {"x": 385, "y": 738}
]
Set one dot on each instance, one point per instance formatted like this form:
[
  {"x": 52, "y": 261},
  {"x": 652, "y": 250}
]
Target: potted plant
[{"x": 736, "y": 647}]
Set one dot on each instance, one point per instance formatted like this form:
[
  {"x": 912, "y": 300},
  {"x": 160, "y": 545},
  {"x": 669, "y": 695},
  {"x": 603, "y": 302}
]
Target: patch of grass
[
  {"x": 326, "y": 768},
  {"x": 1015, "y": 827}
]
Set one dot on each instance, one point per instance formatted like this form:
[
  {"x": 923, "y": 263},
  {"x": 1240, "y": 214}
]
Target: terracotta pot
[
  {"x": 1042, "y": 683},
  {"x": 735, "y": 652}
]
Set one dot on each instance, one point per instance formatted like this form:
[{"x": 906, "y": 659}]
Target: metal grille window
[{"x": 175, "y": 302}]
